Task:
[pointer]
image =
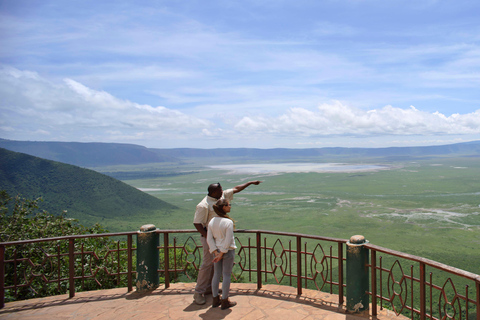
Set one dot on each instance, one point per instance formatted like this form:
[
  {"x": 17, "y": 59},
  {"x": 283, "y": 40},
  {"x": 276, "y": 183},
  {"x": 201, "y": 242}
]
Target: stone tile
[
  {"x": 149, "y": 316},
  {"x": 255, "y": 314},
  {"x": 271, "y": 302},
  {"x": 290, "y": 314},
  {"x": 336, "y": 316}
]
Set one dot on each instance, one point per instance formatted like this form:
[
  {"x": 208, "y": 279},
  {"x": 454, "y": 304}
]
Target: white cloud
[
  {"x": 71, "y": 110},
  {"x": 34, "y": 106},
  {"x": 68, "y": 110},
  {"x": 339, "y": 119}
]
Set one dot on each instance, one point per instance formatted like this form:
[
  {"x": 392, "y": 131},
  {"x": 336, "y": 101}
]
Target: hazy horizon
[{"x": 227, "y": 147}]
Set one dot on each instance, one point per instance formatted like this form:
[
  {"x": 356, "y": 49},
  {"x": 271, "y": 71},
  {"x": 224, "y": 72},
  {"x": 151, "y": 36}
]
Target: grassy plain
[{"x": 429, "y": 207}]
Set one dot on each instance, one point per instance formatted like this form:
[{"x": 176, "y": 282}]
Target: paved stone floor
[{"x": 176, "y": 302}]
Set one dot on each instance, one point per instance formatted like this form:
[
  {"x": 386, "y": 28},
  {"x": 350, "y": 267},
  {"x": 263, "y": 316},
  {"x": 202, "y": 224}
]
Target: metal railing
[
  {"x": 30, "y": 267},
  {"x": 414, "y": 292},
  {"x": 291, "y": 259},
  {"x": 287, "y": 259}
]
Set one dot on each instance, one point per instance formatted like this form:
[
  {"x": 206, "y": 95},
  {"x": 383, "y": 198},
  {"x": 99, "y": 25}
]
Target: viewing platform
[
  {"x": 176, "y": 302},
  {"x": 277, "y": 275}
]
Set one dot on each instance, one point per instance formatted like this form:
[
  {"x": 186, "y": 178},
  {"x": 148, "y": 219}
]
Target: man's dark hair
[{"x": 213, "y": 187}]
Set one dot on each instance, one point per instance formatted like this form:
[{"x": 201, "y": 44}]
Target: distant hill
[
  {"x": 105, "y": 154},
  {"x": 87, "y": 154},
  {"x": 82, "y": 192},
  {"x": 392, "y": 153}
]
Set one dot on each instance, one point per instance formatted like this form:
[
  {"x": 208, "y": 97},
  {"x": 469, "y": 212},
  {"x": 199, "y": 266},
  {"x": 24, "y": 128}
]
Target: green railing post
[
  {"x": 357, "y": 275},
  {"x": 147, "y": 258}
]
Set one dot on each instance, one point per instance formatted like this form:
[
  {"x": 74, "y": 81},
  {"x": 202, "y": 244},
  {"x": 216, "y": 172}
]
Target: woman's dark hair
[{"x": 218, "y": 208}]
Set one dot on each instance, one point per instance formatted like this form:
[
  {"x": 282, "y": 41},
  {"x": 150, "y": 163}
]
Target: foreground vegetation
[{"x": 21, "y": 219}]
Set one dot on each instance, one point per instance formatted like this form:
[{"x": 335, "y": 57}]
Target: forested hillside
[{"x": 85, "y": 194}]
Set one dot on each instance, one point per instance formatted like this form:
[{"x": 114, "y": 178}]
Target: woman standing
[{"x": 221, "y": 242}]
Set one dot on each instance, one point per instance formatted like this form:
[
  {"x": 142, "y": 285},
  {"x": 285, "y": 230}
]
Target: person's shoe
[
  {"x": 199, "y": 298},
  {"x": 227, "y": 304},
  {"x": 216, "y": 301}
]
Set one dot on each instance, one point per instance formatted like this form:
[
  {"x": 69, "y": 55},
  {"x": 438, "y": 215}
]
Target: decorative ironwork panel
[
  {"x": 419, "y": 293},
  {"x": 278, "y": 261},
  {"x": 31, "y": 270},
  {"x": 43, "y": 268},
  {"x": 319, "y": 267},
  {"x": 397, "y": 287},
  {"x": 184, "y": 258}
]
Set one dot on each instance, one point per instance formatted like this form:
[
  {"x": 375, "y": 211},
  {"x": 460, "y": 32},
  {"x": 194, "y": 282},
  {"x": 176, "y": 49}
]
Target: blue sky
[{"x": 259, "y": 74}]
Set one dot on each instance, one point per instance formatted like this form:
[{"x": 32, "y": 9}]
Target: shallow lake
[{"x": 262, "y": 168}]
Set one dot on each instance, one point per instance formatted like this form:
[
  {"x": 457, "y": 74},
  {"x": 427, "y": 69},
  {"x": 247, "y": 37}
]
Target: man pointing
[{"x": 203, "y": 214}]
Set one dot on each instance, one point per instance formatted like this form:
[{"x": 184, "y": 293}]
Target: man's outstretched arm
[{"x": 243, "y": 186}]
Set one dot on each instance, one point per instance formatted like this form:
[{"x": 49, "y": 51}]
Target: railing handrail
[
  {"x": 114, "y": 234},
  {"x": 93, "y": 235},
  {"x": 428, "y": 262},
  {"x": 293, "y": 234}
]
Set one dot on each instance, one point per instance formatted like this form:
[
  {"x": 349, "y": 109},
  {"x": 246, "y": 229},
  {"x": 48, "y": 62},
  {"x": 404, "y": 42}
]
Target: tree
[{"x": 40, "y": 269}]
